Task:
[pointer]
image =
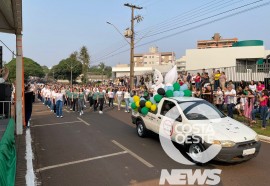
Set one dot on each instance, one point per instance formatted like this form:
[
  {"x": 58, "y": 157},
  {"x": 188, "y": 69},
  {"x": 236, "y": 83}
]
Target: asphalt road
[{"x": 95, "y": 149}]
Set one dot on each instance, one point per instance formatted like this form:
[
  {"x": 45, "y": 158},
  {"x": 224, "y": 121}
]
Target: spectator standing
[
  {"x": 216, "y": 78},
  {"x": 127, "y": 97},
  {"x": 198, "y": 81},
  {"x": 263, "y": 109},
  {"x": 231, "y": 100},
  {"x": 219, "y": 98},
  {"x": 249, "y": 105},
  {"x": 222, "y": 80},
  {"x": 119, "y": 96}
]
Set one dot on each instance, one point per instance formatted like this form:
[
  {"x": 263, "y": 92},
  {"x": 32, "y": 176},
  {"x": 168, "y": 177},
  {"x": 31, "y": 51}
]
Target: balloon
[
  {"x": 152, "y": 100},
  {"x": 182, "y": 94},
  {"x": 161, "y": 91},
  {"x": 140, "y": 110},
  {"x": 184, "y": 87},
  {"x": 171, "y": 76},
  {"x": 131, "y": 100},
  {"x": 176, "y": 94},
  {"x": 176, "y": 86},
  {"x": 157, "y": 98},
  {"x": 187, "y": 93},
  {"x": 136, "y": 98},
  {"x": 169, "y": 93},
  {"x": 170, "y": 88},
  {"x": 153, "y": 108},
  {"x": 148, "y": 104},
  {"x": 133, "y": 105},
  {"x": 142, "y": 103},
  {"x": 144, "y": 111},
  {"x": 142, "y": 99},
  {"x": 137, "y": 104}
]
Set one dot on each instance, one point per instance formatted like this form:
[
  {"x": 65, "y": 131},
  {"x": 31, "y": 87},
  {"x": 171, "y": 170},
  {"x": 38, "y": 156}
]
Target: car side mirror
[{"x": 179, "y": 119}]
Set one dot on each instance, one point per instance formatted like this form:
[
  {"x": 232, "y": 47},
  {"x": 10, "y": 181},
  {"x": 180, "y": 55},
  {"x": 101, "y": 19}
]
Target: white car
[{"x": 238, "y": 142}]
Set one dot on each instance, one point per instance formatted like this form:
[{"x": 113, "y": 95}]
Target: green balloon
[
  {"x": 145, "y": 111},
  {"x": 187, "y": 93},
  {"x": 176, "y": 86},
  {"x": 133, "y": 106},
  {"x": 169, "y": 93},
  {"x": 157, "y": 98}
]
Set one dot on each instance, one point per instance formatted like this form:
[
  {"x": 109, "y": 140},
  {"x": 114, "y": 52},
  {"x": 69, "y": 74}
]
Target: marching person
[
  {"x": 59, "y": 103},
  {"x": 81, "y": 99}
]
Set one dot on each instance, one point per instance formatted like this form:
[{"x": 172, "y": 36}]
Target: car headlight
[
  {"x": 224, "y": 143},
  {"x": 257, "y": 138}
]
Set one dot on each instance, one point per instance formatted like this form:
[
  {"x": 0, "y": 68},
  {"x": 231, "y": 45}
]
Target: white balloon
[{"x": 171, "y": 76}]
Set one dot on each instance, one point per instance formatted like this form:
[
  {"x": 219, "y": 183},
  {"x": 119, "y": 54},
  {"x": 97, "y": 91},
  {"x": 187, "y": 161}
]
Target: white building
[
  {"x": 181, "y": 64},
  {"x": 239, "y": 61},
  {"x": 124, "y": 70},
  {"x": 224, "y": 57}
]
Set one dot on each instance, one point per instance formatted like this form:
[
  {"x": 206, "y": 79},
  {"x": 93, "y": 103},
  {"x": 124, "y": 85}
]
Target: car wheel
[
  {"x": 141, "y": 129},
  {"x": 195, "y": 152}
]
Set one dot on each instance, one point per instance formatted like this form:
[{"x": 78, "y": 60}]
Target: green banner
[{"x": 8, "y": 156}]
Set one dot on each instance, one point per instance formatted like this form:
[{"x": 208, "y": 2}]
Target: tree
[
  {"x": 65, "y": 66},
  {"x": 101, "y": 69},
  {"x": 31, "y": 68},
  {"x": 85, "y": 59},
  {"x": 46, "y": 70}
]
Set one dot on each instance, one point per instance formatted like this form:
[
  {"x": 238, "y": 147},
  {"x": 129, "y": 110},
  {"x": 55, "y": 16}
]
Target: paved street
[{"x": 104, "y": 149}]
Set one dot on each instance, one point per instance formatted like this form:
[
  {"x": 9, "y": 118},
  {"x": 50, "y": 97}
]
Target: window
[{"x": 170, "y": 110}]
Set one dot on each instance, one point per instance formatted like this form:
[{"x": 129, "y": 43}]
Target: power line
[
  {"x": 207, "y": 23},
  {"x": 171, "y": 29},
  {"x": 195, "y": 27},
  {"x": 185, "y": 18}
]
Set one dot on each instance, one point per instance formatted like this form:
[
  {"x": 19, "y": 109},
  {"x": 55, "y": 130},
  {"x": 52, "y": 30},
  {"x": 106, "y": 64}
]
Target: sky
[{"x": 53, "y": 29}]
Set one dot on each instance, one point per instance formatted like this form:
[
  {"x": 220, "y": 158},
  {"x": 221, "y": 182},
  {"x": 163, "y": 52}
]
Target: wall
[{"x": 220, "y": 57}]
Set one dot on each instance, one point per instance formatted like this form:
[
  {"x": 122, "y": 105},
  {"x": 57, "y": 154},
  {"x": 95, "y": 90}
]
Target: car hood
[{"x": 228, "y": 129}]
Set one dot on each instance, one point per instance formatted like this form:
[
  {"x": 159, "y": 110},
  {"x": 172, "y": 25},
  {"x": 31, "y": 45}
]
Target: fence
[
  {"x": 5, "y": 109},
  {"x": 241, "y": 72}
]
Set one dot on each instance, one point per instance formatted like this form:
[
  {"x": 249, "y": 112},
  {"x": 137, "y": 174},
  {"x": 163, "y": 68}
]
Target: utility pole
[{"x": 132, "y": 41}]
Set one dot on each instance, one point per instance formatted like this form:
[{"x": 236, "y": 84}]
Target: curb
[{"x": 264, "y": 138}]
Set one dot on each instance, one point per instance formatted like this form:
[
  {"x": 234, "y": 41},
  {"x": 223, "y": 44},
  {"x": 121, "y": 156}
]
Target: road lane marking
[
  {"x": 80, "y": 161},
  {"x": 83, "y": 121},
  {"x": 133, "y": 154},
  {"x": 57, "y": 123}
]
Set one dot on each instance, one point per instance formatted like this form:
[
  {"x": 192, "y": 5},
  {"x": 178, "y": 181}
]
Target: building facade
[
  {"x": 216, "y": 42},
  {"x": 154, "y": 58},
  {"x": 181, "y": 64}
]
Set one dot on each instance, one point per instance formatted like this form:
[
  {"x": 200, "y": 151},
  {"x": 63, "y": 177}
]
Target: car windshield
[{"x": 200, "y": 110}]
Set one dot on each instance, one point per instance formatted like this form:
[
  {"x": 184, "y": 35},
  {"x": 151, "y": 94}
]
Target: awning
[{"x": 11, "y": 16}]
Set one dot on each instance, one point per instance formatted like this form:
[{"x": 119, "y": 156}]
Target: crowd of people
[{"x": 245, "y": 99}]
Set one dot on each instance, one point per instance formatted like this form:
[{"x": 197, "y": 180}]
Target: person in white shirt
[
  {"x": 127, "y": 97},
  {"x": 111, "y": 97},
  {"x": 59, "y": 103},
  {"x": 252, "y": 86},
  {"x": 119, "y": 96},
  {"x": 52, "y": 98},
  {"x": 231, "y": 100}
]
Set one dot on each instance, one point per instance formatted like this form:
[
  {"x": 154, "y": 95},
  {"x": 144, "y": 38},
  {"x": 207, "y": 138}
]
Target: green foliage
[
  {"x": 85, "y": 59},
  {"x": 63, "y": 69},
  {"x": 46, "y": 70},
  {"x": 31, "y": 68},
  {"x": 98, "y": 70}
]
